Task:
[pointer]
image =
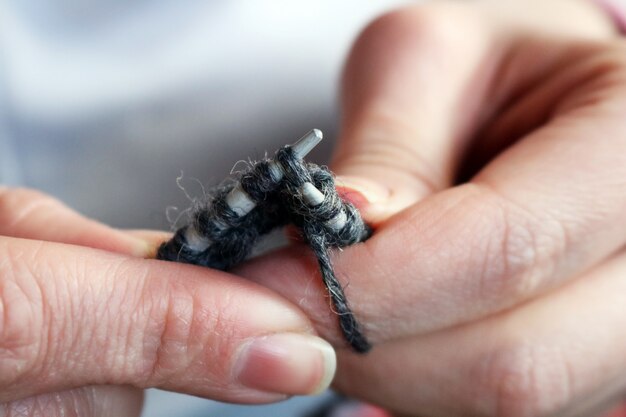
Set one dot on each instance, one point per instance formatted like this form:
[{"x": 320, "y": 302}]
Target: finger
[
  {"x": 74, "y": 316},
  {"x": 30, "y": 214},
  {"x": 421, "y": 81},
  {"x": 548, "y": 208},
  {"x": 153, "y": 238},
  {"x": 399, "y": 136},
  {"x": 562, "y": 354},
  {"x": 94, "y": 401}
]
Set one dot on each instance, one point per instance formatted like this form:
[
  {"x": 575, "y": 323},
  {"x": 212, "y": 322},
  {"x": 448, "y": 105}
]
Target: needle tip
[{"x": 306, "y": 143}]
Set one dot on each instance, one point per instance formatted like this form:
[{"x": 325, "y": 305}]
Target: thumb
[
  {"x": 401, "y": 92},
  {"x": 72, "y": 316},
  {"x": 421, "y": 81}
]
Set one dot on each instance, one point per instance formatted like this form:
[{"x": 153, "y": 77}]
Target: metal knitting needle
[
  {"x": 311, "y": 195},
  {"x": 314, "y": 197},
  {"x": 241, "y": 203}
]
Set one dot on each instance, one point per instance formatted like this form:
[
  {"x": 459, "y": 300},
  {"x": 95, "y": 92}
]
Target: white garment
[{"x": 104, "y": 103}]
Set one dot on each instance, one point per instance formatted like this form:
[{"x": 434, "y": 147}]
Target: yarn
[{"x": 270, "y": 194}]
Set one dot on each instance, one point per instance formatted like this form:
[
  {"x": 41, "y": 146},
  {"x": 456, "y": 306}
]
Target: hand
[
  {"x": 486, "y": 143},
  {"x": 82, "y": 330}
]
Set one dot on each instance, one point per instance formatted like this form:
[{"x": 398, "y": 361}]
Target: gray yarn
[{"x": 278, "y": 202}]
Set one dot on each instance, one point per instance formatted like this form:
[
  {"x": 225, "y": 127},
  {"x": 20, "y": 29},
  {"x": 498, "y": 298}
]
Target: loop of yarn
[{"x": 218, "y": 237}]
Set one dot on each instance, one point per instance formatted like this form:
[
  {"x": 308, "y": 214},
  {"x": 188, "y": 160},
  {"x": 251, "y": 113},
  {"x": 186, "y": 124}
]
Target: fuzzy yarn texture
[{"x": 219, "y": 237}]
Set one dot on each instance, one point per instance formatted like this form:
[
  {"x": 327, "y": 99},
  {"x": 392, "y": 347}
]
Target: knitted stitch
[{"x": 219, "y": 237}]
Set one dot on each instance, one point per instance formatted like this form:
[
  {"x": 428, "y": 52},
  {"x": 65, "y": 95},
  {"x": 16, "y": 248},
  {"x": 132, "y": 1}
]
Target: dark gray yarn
[{"x": 279, "y": 202}]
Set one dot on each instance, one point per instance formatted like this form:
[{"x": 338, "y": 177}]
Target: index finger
[{"x": 551, "y": 206}]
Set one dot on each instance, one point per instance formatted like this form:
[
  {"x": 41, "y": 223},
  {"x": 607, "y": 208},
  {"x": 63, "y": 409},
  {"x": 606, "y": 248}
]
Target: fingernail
[
  {"x": 137, "y": 247},
  {"x": 361, "y": 191},
  {"x": 150, "y": 250},
  {"x": 144, "y": 243},
  {"x": 371, "y": 199},
  {"x": 286, "y": 363},
  {"x": 118, "y": 241},
  {"x": 143, "y": 249}
]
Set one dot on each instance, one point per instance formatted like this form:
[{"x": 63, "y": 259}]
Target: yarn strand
[
  {"x": 347, "y": 321},
  {"x": 275, "y": 192}
]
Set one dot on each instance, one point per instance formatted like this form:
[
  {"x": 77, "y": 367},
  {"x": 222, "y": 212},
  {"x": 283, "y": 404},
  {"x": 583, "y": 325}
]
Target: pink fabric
[
  {"x": 617, "y": 10},
  {"x": 618, "y": 412}
]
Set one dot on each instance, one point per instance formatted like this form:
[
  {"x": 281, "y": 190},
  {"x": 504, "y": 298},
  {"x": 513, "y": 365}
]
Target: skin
[
  {"x": 485, "y": 144},
  {"x": 86, "y": 323}
]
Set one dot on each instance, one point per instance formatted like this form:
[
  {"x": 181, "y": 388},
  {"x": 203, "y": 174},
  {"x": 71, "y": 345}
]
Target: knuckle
[
  {"x": 127, "y": 332},
  {"x": 410, "y": 41},
  {"x": 170, "y": 344},
  {"x": 185, "y": 331},
  {"x": 526, "y": 250},
  {"x": 387, "y": 150},
  {"x": 616, "y": 65},
  {"x": 21, "y": 317},
  {"x": 113, "y": 300},
  {"x": 401, "y": 49},
  {"x": 614, "y": 57},
  {"x": 525, "y": 380},
  {"x": 429, "y": 25},
  {"x": 518, "y": 254},
  {"x": 601, "y": 80}
]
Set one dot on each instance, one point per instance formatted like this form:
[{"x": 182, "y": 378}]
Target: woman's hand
[
  {"x": 487, "y": 144},
  {"x": 83, "y": 329}
]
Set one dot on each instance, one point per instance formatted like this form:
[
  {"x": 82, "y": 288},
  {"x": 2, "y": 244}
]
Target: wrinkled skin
[
  {"x": 487, "y": 142},
  {"x": 484, "y": 141}
]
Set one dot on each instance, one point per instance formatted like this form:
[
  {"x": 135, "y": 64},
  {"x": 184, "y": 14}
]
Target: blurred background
[{"x": 104, "y": 104}]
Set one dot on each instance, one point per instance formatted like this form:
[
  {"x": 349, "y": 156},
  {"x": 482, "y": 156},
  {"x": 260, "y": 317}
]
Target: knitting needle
[
  {"x": 309, "y": 192},
  {"x": 241, "y": 203},
  {"x": 314, "y": 197},
  {"x": 306, "y": 143}
]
